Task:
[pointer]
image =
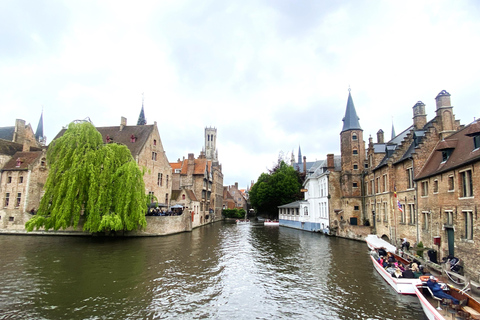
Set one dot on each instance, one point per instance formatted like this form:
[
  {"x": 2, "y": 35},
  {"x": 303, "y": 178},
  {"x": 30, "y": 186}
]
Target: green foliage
[
  {"x": 101, "y": 182},
  {"x": 420, "y": 252},
  {"x": 280, "y": 186},
  {"x": 234, "y": 213}
]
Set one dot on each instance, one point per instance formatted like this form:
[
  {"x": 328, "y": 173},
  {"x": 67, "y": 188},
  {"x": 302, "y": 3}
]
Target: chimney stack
[
  {"x": 445, "y": 116},
  {"x": 304, "y": 165},
  {"x": 380, "y": 136},
  {"x": 123, "y": 123},
  {"x": 419, "y": 116},
  {"x": 330, "y": 161}
]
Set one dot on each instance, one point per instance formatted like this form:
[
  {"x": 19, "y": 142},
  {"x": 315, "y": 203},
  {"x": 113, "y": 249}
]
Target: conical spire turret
[
  {"x": 39, "y": 133},
  {"x": 141, "y": 118},
  {"x": 351, "y": 120}
]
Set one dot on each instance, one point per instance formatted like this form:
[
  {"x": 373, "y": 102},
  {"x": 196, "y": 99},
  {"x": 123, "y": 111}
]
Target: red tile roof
[
  {"x": 26, "y": 159},
  {"x": 463, "y": 153}
]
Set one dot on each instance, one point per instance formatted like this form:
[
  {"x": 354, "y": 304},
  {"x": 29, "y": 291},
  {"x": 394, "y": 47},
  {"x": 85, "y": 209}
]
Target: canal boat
[
  {"x": 440, "y": 309},
  {"x": 242, "y": 221},
  {"x": 400, "y": 285},
  {"x": 271, "y": 223}
]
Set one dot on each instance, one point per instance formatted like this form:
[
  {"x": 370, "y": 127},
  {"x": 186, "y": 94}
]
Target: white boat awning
[{"x": 374, "y": 242}]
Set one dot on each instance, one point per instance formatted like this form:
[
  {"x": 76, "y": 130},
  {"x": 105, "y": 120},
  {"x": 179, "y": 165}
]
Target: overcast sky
[{"x": 269, "y": 75}]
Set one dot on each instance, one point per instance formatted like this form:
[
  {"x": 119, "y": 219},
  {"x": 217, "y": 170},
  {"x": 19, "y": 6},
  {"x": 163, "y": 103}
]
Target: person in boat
[
  {"x": 438, "y": 291},
  {"x": 416, "y": 271},
  {"x": 382, "y": 252},
  {"x": 391, "y": 258},
  {"x": 408, "y": 273}
]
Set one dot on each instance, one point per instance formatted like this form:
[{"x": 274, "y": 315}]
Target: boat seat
[{"x": 474, "y": 314}]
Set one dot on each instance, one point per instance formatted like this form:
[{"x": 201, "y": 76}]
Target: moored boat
[
  {"x": 243, "y": 221},
  {"x": 399, "y": 284},
  {"x": 271, "y": 223},
  {"x": 440, "y": 309}
]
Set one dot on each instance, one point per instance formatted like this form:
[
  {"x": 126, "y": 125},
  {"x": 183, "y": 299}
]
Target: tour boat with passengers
[
  {"x": 392, "y": 276},
  {"x": 441, "y": 309}
]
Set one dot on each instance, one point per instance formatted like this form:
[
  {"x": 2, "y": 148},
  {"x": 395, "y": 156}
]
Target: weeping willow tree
[{"x": 101, "y": 182}]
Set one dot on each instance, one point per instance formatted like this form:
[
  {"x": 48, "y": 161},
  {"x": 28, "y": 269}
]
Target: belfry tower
[
  {"x": 352, "y": 148},
  {"x": 211, "y": 152}
]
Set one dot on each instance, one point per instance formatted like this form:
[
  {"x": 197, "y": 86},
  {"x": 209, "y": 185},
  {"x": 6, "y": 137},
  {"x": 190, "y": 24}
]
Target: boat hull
[
  {"x": 400, "y": 285},
  {"x": 272, "y": 224},
  {"x": 428, "y": 309}
]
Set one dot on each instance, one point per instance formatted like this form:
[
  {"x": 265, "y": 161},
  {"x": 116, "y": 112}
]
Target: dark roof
[
  {"x": 7, "y": 147},
  {"x": 141, "y": 133},
  {"x": 462, "y": 154},
  {"x": 6, "y": 133},
  {"x": 350, "y": 121},
  {"x": 27, "y": 158},
  {"x": 39, "y": 132}
]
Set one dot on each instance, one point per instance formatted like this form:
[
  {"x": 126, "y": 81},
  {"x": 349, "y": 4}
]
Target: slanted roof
[
  {"x": 39, "y": 132},
  {"x": 462, "y": 154},
  {"x": 351, "y": 120},
  {"x": 176, "y": 165},
  {"x": 9, "y": 148},
  {"x": 141, "y": 133},
  {"x": 27, "y": 158},
  {"x": 6, "y": 133},
  {"x": 295, "y": 204}
]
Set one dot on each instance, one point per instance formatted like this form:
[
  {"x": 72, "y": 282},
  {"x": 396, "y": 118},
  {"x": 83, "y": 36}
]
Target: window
[
  {"x": 7, "y": 199},
  {"x": 355, "y": 151},
  {"x": 411, "y": 211},
  {"x": 355, "y": 167},
  {"x": 151, "y": 196},
  {"x": 366, "y": 165},
  {"x": 384, "y": 209},
  {"x": 476, "y": 142},
  {"x": 451, "y": 185},
  {"x": 183, "y": 197},
  {"x": 305, "y": 211},
  {"x": 410, "y": 178},
  {"x": 19, "y": 199},
  {"x": 354, "y": 136},
  {"x": 468, "y": 216},
  {"x": 424, "y": 188},
  {"x": 446, "y": 154},
  {"x": 166, "y": 184},
  {"x": 154, "y": 156},
  {"x": 166, "y": 198},
  {"x": 160, "y": 179},
  {"x": 154, "y": 142},
  {"x": 355, "y": 185},
  {"x": 178, "y": 170},
  {"x": 449, "y": 215},
  {"x": 356, "y": 208},
  {"x": 425, "y": 218},
  {"x": 377, "y": 190},
  {"x": 435, "y": 186},
  {"x": 20, "y": 179},
  {"x": 467, "y": 187},
  {"x": 385, "y": 184},
  {"x": 9, "y": 180}
]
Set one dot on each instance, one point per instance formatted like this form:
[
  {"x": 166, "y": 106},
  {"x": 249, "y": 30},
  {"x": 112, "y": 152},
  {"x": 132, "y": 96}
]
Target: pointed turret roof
[
  {"x": 299, "y": 155},
  {"x": 141, "y": 118},
  {"x": 39, "y": 133},
  {"x": 350, "y": 121},
  {"x": 393, "y": 132}
]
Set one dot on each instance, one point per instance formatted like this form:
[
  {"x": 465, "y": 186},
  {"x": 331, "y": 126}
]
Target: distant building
[{"x": 238, "y": 195}]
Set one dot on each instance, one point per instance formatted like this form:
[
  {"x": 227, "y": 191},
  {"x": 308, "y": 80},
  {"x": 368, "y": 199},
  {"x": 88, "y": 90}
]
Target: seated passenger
[
  {"x": 438, "y": 291},
  {"x": 408, "y": 273}
]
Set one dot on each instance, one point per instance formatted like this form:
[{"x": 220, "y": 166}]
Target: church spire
[
  {"x": 141, "y": 118},
  {"x": 393, "y": 131},
  {"x": 299, "y": 155},
  {"x": 39, "y": 133},
  {"x": 350, "y": 121}
]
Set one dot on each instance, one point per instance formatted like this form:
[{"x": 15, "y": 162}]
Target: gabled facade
[
  {"x": 314, "y": 211},
  {"x": 238, "y": 196}
]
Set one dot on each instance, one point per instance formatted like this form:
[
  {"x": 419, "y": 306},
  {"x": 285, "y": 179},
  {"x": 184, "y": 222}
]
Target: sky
[{"x": 270, "y": 75}]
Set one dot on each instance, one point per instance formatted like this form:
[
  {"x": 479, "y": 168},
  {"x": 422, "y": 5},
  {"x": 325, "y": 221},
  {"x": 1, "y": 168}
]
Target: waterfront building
[
  {"x": 23, "y": 172},
  {"x": 312, "y": 214},
  {"x": 237, "y": 195}
]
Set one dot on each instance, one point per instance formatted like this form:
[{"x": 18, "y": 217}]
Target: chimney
[
  {"x": 123, "y": 123},
  {"x": 19, "y": 134},
  {"x": 419, "y": 116},
  {"x": 236, "y": 185},
  {"x": 191, "y": 156},
  {"x": 330, "y": 161},
  {"x": 445, "y": 116},
  {"x": 304, "y": 164},
  {"x": 380, "y": 136}
]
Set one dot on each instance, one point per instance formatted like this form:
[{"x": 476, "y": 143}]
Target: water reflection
[{"x": 221, "y": 271}]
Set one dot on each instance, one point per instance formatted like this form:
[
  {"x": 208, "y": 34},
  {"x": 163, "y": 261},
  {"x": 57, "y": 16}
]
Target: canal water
[{"x": 220, "y": 271}]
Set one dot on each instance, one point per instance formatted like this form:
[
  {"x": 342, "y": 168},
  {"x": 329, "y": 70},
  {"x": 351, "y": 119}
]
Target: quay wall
[{"x": 13, "y": 222}]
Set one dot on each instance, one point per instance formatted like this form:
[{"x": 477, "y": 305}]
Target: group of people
[
  {"x": 159, "y": 212},
  {"x": 396, "y": 268}
]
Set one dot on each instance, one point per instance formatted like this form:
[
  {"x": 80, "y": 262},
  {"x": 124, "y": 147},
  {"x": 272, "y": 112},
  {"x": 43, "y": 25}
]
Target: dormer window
[
  {"x": 19, "y": 162},
  {"x": 474, "y": 131},
  {"x": 133, "y": 138},
  {"x": 476, "y": 142},
  {"x": 446, "y": 154}
]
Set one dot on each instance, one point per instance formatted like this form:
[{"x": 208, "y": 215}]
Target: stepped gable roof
[
  {"x": 390, "y": 147},
  {"x": 351, "y": 120},
  {"x": 463, "y": 153},
  {"x": 199, "y": 166},
  {"x": 7, "y": 147},
  {"x": 140, "y": 133},
  {"x": 6, "y": 133},
  {"x": 27, "y": 158}
]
